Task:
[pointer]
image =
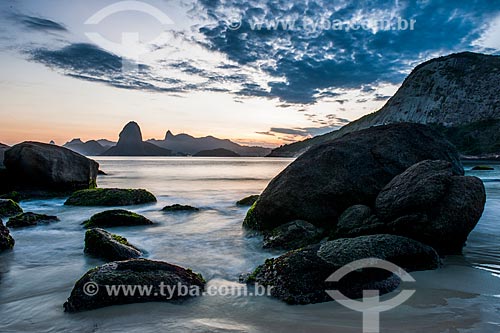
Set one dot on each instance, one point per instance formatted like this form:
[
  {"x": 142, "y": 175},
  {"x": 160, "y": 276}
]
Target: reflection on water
[{"x": 37, "y": 277}]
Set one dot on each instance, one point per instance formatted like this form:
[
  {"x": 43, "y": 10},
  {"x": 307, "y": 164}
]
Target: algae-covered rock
[
  {"x": 9, "y": 208},
  {"x": 30, "y": 219},
  {"x": 180, "y": 208},
  {"x": 247, "y": 201},
  {"x": 116, "y": 218},
  {"x": 108, "y": 246},
  {"x": 110, "y": 197}
]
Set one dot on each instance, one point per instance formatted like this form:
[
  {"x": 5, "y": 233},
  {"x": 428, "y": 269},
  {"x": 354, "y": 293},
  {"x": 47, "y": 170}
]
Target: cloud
[
  {"x": 307, "y": 61},
  {"x": 37, "y": 23}
]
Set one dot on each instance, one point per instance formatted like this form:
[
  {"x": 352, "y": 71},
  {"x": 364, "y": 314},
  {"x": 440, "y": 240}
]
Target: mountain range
[
  {"x": 458, "y": 93},
  {"x": 131, "y": 144}
]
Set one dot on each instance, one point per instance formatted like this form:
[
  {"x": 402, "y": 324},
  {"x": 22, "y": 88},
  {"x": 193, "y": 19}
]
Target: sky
[{"x": 256, "y": 72}]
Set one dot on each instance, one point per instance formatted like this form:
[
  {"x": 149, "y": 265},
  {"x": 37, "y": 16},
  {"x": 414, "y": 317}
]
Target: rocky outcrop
[
  {"x": 6, "y": 240},
  {"x": 34, "y": 166},
  {"x": 219, "y": 152},
  {"x": 180, "y": 208},
  {"x": 30, "y": 219},
  {"x": 452, "y": 91},
  {"x": 116, "y": 218},
  {"x": 131, "y": 144},
  {"x": 9, "y": 208},
  {"x": 133, "y": 272},
  {"x": 322, "y": 183},
  {"x": 110, "y": 197},
  {"x": 102, "y": 244},
  {"x": 298, "y": 277},
  {"x": 248, "y": 201},
  {"x": 434, "y": 204},
  {"x": 293, "y": 235}
]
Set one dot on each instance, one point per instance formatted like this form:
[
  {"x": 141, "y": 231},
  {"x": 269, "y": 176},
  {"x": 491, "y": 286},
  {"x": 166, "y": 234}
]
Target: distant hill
[
  {"x": 220, "y": 152},
  {"x": 187, "y": 144},
  {"x": 131, "y": 144},
  {"x": 106, "y": 143},
  {"x": 89, "y": 148},
  {"x": 458, "y": 92}
]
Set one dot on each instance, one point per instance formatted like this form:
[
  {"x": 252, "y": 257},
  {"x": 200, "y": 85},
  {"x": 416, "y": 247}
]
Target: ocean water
[{"x": 37, "y": 276}]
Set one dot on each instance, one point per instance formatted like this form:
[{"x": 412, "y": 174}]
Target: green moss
[
  {"x": 110, "y": 197},
  {"x": 251, "y": 221},
  {"x": 9, "y": 208},
  {"x": 120, "y": 239},
  {"x": 253, "y": 277}
]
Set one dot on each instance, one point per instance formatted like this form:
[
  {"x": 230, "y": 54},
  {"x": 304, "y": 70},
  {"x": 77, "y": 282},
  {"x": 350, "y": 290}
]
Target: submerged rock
[
  {"x": 432, "y": 203},
  {"x": 102, "y": 244},
  {"x": 298, "y": 277},
  {"x": 483, "y": 168},
  {"x": 292, "y": 235},
  {"x": 155, "y": 274},
  {"x": 30, "y": 219},
  {"x": 110, "y": 197},
  {"x": 329, "y": 178},
  {"x": 36, "y": 166},
  {"x": 248, "y": 201},
  {"x": 9, "y": 208},
  {"x": 116, "y": 218},
  {"x": 6, "y": 240},
  {"x": 179, "y": 208}
]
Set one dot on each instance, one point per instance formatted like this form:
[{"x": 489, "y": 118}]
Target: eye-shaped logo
[
  {"x": 370, "y": 305},
  {"x": 130, "y": 44}
]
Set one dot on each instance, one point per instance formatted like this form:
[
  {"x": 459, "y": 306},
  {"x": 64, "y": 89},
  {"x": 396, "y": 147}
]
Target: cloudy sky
[{"x": 257, "y": 72}]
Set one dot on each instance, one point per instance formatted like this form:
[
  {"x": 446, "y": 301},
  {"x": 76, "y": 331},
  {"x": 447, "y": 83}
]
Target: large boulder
[
  {"x": 30, "y": 219},
  {"x": 432, "y": 203},
  {"x": 329, "y": 178},
  {"x": 298, "y": 277},
  {"x": 110, "y": 197},
  {"x": 116, "y": 218},
  {"x": 292, "y": 235},
  {"x": 102, "y": 244},
  {"x": 168, "y": 283},
  {"x": 36, "y": 166},
  {"x": 9, "y": 208},
  {"x": 3, "y": 148},
  {"x": 6, "y": 240}
]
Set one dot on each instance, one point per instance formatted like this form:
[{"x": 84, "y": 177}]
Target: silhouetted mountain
[
  {"x": 106, "y": 143},
  {"x": 131, "y": 144},
  {"x": 187, "y": 144},
  {"x": 220, "y": 152},
  {"x": 458, "y": 92},
  {"x": 89, "y": 148}
]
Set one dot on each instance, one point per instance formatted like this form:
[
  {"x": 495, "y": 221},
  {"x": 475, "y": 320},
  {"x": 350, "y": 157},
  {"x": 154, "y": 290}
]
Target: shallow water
[{"x": 38, "y": 275}]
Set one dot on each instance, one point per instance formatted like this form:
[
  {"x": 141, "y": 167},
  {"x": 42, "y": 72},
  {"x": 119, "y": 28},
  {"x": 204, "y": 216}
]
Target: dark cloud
[
  {"x": 311, "y": 61},
  {"x": 37, "y": 23}
]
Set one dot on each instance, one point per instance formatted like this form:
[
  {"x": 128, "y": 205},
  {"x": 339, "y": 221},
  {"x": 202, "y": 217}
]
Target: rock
[
  {"x": 6, "y": 240},
  {"x": 358, "y": 220},
  {"x": 102, "y": 244},
  {"x": 30, "y": 219},
  {"x": 179, "y": 208},
  {"x": 110, "y": 197},
  {"x": 14, "y": 196},
  {"x": 430, "y": 202},
  {"x": 38, "y": 166},
  {"x": 131, "y": 144},
  {"x": 116, "y": 218},
  {"x": 293, "y": 235},
  {"x": 9, "y": 208},
  {"x": 322, "y": 183},
  {"x": 166, "y": 280},
  {"x": 483, "y": 168},
  {"x": 247, "y": 201},
  {"x": 3, "y": 148},
  {"x": 298, "y": 277},
  {"x": 101, "y": 173}
]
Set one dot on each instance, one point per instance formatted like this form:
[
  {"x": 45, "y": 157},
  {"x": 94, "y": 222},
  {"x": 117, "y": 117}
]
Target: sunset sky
[{"x": 202, "y": 67}]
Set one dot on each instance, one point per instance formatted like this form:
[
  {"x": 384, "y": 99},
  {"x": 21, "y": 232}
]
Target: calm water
[{"x": 38, "y": 275}]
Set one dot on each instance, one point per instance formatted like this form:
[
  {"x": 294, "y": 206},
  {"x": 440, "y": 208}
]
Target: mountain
[
  {"x": 131, "y": 144},
  {"x": 89, "y": 148},
  {"x": 187, "y": 144},
  {"x": 220, "y": 152},
  {"x": 106, "y": 143},
  {"x": 451, "y": 92}
]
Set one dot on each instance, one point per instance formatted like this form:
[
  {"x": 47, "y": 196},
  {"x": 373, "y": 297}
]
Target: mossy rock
[
  {"x": 14, "y": 196},
  {"x": 6, "y": 240},
  {"x": 110, "y": 197},
  {"x": 483, "y": 168},
  {"x": 30, "y": 219},
  {"x": 251, "y": 221},
  {"x": 248, "y": 201},
  {"x": 9, "y": 208},
  {"x": 180, "y": 208},
  {"x": 116, "y": 218},
  {"x": 102, "y": 244}
]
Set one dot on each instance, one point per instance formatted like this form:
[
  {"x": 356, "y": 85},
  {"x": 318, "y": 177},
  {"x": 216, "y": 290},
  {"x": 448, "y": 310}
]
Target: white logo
[
  {"x": 370, "y": 306},
  {"x": 130, "y": 45}
]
